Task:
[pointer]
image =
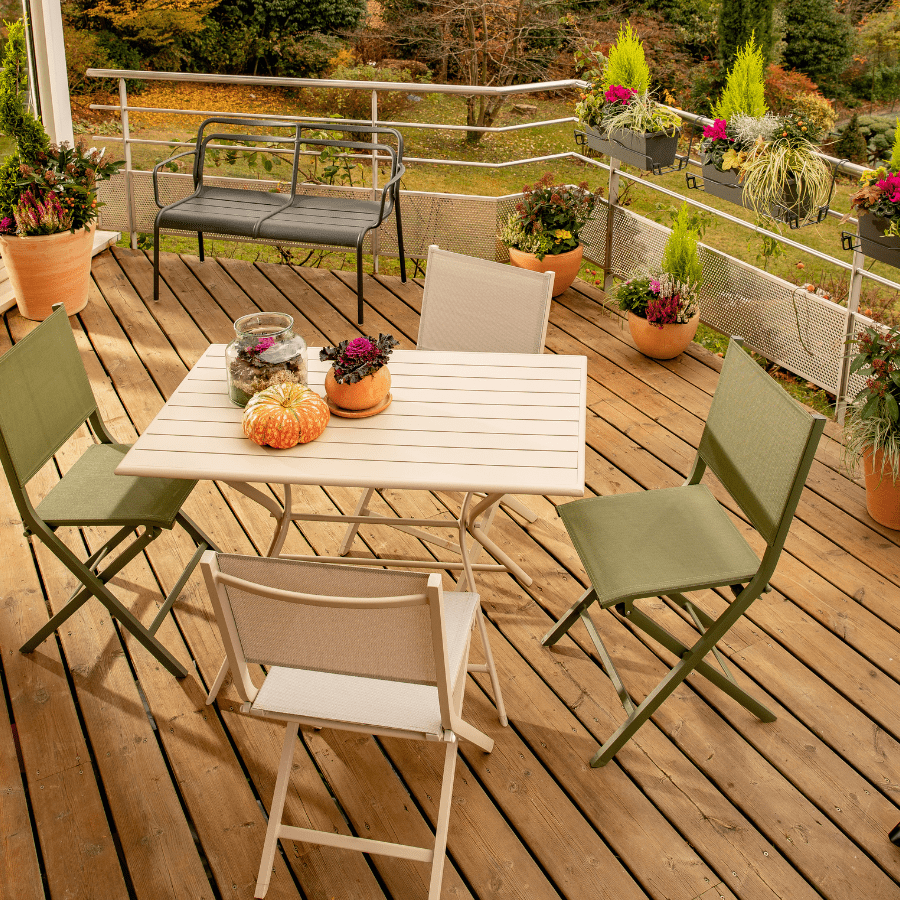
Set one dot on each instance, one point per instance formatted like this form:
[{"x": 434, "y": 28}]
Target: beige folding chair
[
  {"x": 369, "y": 650},
  {"x": 479, "y": 306}
]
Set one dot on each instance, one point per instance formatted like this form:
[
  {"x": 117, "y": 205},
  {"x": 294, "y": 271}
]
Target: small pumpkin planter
[
  {"x": 564, "y": 266},
  {"x": 285, "y": 415},
  {"x": 665, "y": 341},
  {"x": 49, "y": 268},
  {"x": 358, "y": 384},
  {"x": 366, "y": 393}
]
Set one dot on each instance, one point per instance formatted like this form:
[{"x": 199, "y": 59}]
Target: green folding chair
[
  {"x": 760, "y": 443},
  {"x": 45, "y": 397}
]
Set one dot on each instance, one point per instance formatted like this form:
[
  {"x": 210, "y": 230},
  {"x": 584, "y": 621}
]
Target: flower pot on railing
[
  {"x": 873, "y": 243},
  {"x": 724, "y": 185},
  {"x": 650, "y": 151}
]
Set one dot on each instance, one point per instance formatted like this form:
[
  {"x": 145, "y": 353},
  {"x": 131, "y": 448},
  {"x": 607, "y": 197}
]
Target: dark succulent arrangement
[{"x": 352, "y": 360}]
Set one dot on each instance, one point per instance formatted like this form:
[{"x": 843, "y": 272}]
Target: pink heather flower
[
  {"x": 262, "y": 345},
  {"x": 891, "y": 186},
  {"x": 716, "y": 131},
  {"x": 619, "y": 94},
  {"x": 663, "y": 311},
  {"x": 7, "y": 225}
]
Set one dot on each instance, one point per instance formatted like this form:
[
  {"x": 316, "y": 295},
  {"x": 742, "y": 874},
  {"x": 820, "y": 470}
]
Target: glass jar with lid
[{"x": 265, "y": 352}]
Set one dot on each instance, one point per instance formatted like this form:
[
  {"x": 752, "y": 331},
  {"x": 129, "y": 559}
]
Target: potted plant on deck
[
  {"x": 48, "y": 201},
  {"x": 760, "y": 161},
  {"x": 618, "y": 115},
  {"x": 662, "y": 307},
  {"x": 542, "y": 234},
  {"x": 358, "y": 383},
  {"x": 872, "y": 426},
  {"x": 877, "y": 203}
]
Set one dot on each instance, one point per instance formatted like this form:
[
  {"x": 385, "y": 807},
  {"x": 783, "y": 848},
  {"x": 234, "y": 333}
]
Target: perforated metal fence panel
[{"x": 800, "y": 331}]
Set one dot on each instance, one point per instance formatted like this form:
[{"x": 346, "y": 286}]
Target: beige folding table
[{"x": 477, "y": 423}]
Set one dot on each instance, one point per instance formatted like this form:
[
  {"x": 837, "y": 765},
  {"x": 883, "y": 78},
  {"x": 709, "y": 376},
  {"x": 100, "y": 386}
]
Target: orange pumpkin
[{"x": 285, "y": 415}]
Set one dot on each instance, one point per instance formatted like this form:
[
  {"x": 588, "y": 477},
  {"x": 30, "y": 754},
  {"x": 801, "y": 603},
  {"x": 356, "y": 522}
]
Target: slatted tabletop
[{"x": 494, "y": 422}]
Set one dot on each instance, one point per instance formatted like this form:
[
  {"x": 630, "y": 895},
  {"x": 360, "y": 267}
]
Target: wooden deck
[{"x": 118, "y": 782}]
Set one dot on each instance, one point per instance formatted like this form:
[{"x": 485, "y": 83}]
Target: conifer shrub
[
  {"x": 680, "y": 259},
  {"x": 627, "y": 65},
  {"x": 745, "y": 85},
  {"x": 851, "y": 144}
]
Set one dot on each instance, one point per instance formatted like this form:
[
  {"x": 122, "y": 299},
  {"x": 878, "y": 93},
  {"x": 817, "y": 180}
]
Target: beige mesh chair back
[
  {"x": 479, "y": 306},
  {"x": 760, "y": 443},
  {"x": 369, "y": 650}
]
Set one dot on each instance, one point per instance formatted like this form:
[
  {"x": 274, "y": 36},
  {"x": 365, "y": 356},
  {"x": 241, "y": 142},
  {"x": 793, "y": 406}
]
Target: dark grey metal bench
[{"x": 293, "y": 217}]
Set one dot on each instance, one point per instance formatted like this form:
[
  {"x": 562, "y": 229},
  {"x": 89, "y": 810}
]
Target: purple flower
[
  {"x": 716, "y": 131},
  {"x": 655, "y": 286},
  {"x": 619, "y": 94},
  {"x": 360, "y": 348},
  {"x": 7, "y": 225}
]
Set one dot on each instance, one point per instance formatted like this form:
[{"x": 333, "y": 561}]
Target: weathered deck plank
[{"x": 704, "y": 803}]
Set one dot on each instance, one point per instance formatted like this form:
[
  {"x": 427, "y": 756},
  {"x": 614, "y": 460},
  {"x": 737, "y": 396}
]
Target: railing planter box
[
  {"x": 724, "y": 185},
  {"x": 644, "y": 150},
  {"x": 873, "y": 243}
]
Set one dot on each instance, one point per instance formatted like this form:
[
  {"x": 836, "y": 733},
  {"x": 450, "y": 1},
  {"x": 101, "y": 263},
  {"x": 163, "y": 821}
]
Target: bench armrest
[{"x": 158, "y": 166}]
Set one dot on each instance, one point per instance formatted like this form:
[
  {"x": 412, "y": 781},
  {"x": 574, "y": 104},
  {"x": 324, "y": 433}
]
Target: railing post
[
  {"x": 840, "y": 406},
  {"x": 126, "y": 140},
  {"x": 612, "y": 204},
  {"x": 374, "y": 179}
]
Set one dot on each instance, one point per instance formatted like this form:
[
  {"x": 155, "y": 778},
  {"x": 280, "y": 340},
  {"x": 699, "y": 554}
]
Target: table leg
[{"x": 480, "y": 535}]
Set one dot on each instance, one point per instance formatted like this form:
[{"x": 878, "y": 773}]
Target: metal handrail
[{"x": 857, "y": 268}]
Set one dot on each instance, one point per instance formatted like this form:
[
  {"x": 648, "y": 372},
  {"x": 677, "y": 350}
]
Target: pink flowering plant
[
  {"x": 57, "y": 190},
  {"x": 879, "y": 196},
  {"x": 352, "y": 360}
]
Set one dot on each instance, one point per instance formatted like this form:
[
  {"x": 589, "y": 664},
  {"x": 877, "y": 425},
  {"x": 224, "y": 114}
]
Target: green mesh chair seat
[
  {"x": 45, "y": 397},
  {"x": 656, "y": 542},
  {"x": 760, "y": 444},
  {"x": 92, "y": 494}
]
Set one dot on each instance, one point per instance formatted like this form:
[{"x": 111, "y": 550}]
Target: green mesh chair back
[
  {"x": 755, "y": 438},
  {"x": 45, "y": 396}
]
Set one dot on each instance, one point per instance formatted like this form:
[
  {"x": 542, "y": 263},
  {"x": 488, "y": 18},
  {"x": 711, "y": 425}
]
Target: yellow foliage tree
[{"x": 154, "y": 23}]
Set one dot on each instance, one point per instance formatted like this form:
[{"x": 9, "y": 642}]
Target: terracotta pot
[
  {"x": 48, "y": 269},
  {"x": 565, "y": 266},
  {"x": 365, "y": 393},
  {"x": 882, "y": 491},
  {"x": 661, "y": 343}
]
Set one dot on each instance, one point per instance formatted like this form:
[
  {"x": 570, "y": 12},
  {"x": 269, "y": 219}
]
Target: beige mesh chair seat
[{"x": 368, "y": 650}]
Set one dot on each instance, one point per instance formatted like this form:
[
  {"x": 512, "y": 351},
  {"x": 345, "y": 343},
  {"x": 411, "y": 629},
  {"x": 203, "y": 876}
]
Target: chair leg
[
  {"x": 200, "y": 245},
  {"x": 217, "y": 683},
  {"x": 490, "y": 667},
  {"x": 276, "y": 811},
  {"x": 443, "y": 821},
  {"x": 518, "y": 507},
  {"x": 362, "y": 509},
  {"x": 569, "y": 618}
]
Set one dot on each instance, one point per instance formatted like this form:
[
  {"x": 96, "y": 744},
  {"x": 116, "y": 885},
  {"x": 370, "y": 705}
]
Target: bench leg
[
  {"x": 399, "y": 235},
  {"x": 155, "y": 263},
  {"x": 200, "y": 244},
  {"x": 359, "y": 281}
]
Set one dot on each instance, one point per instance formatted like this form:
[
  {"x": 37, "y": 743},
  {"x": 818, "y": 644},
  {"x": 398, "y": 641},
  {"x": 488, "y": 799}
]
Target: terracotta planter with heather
[
  {"x": 665, "y": 342},
  {"x": 48, "y": 269},
  {"x": 564, "y": 266},
  {"x": 882, "y": 490}
]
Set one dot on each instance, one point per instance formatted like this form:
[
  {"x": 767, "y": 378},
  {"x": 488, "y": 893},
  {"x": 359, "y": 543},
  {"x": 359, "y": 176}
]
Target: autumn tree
[{"x": 480, "y": 43}]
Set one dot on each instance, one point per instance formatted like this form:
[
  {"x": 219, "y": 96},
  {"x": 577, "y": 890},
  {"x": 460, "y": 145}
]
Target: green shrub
[
  {"x": 741, "y": 20},
  {"x": 627, "y": 64},
  {"x": 851, "y": 144},
  {"x": 745, "y": 85},
  {"x": 817, "y": 39},
  {"x": 680, "y": 259}
]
